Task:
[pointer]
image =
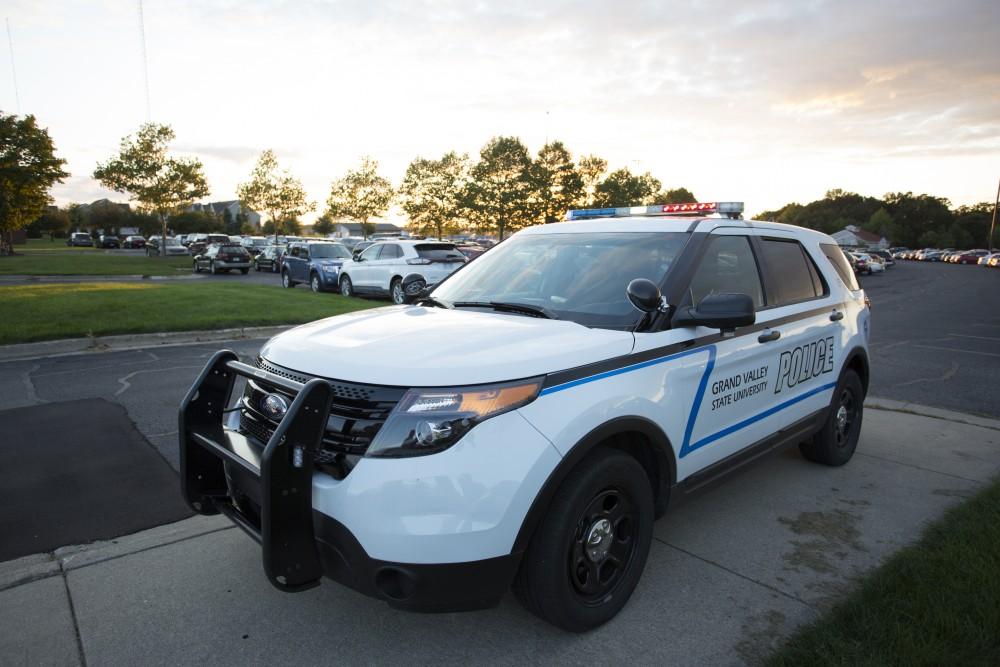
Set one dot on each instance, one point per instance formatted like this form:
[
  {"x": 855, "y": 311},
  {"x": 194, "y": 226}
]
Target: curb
[
  {"x": 889, "y": 405},
  {"x": 68, "y": 346}
]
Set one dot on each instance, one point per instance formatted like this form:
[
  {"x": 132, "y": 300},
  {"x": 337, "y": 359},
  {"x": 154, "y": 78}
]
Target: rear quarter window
[
  {"x": 792, "y": 277},
  {"x": 439, "y": 252},
  {"x": 840, "y": 264}
]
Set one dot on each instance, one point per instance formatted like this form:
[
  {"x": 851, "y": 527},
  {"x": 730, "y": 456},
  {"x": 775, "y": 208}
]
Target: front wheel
[
  {"x": 588, "y": 553},
  {"x": 396, "y": 290},
  {"x": 835, "y": 442},
  {"x": 195, "y": 266},
  {"x": 314, "y": 283},
  {"x": 211, "y": 268},
  {"x": 346, "y": 287}
]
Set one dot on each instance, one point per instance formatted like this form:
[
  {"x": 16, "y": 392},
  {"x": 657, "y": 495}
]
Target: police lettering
[{"x": 804, "y": 362}]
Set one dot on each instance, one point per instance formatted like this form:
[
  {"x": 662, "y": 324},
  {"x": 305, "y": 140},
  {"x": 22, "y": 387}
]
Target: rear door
[
  {"x": 383, "y": 268},
  {"x": 805, "y": 321}
]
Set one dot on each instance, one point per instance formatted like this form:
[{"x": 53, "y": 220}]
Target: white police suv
[{"x": 523, "y": 423}]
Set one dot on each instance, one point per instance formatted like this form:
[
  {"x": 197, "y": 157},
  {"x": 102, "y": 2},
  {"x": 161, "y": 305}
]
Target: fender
[
  {"x": 858, "y": 357},
  {"x": 660, "y": 458}
]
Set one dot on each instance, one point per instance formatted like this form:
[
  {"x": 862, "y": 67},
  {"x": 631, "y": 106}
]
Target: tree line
[{"x": 905, "y": 219}]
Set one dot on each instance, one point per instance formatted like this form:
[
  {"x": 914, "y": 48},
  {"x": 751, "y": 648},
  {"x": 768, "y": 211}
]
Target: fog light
[{"x": 428, "y": 433}]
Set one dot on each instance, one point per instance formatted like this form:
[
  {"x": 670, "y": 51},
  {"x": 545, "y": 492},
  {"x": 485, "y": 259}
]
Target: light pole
[{"x": 989, "y": 241}]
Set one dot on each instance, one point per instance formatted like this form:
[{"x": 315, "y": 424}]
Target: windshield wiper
[
  {"x": 431, "y": 301},
  {"x": 503, "y": 306}
]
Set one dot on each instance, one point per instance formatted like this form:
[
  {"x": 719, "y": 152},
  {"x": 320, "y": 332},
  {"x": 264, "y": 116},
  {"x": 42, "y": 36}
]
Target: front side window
[
  {"x": 727, "y": 267},
  {"x": 792, "y": 278},
  {"x": 371, "y": 252},
  {"x": 579, "y": 277},
  {"x": 390, "y": 251}
]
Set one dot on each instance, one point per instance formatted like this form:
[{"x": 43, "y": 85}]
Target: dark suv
[
  {"x": 81, "y": 239},
  {"x": 315, "y": 262}
]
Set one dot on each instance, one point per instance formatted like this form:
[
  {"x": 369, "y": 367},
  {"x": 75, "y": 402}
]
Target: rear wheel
[
  {"x": 346, "y": 287},
  {"x": 286, "y": 281},
  {"x": 588, "y": 553},
  {"x": 396, "y": 290},
  {"x": 835, "y": 442}
]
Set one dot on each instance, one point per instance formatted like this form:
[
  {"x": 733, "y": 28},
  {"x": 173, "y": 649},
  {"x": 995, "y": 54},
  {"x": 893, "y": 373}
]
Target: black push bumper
[{"x": 267, "y": 491}]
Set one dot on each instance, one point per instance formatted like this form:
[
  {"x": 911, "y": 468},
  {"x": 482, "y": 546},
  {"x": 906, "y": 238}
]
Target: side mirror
[
  {"x": 718, "y": 311},
  {"x": 644, "y": 295},
  {"x": 414, "y": 285}
]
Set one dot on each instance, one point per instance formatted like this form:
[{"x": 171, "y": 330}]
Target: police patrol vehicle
[{"x": 522, "y": 424}]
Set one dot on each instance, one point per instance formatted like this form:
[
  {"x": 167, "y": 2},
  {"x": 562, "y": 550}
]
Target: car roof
[{"x": 670, "y": 224}]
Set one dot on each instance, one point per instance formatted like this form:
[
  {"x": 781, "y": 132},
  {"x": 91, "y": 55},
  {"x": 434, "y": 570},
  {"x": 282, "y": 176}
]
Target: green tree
[
  {"x": 108, "y": 216},
  {"x": 622, "y": 188},
  {"x": 557, "y": 184},
  {"x": 143, "y": 169},
  {"x": 28, "y": 170},
  {"x": 323, "y": 225},
  {"x": 431, "y": 193},
  {"x": 880, "y": 223},
  {"x": 274, "y": 192},
  {"x": 196, "y": 222},
  {"x": 591, "y": 169},
  {"x": 498, "y": 195},
  {"x": 292, "y": 227},
  {"x": 54, "y": 222},
  {"x": 361, "y": 194},
  {"x": 676, "y": 196}
]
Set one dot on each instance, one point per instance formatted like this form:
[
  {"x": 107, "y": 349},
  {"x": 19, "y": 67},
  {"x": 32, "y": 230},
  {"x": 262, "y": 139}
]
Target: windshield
[
  {"x": 578, "y": 277},
  {"x": 329, "y": 251}
]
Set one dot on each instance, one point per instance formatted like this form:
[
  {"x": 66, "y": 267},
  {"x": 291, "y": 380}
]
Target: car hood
[
  {"x": 329, "y": 262},
  {"x": 417, "y": 346}
]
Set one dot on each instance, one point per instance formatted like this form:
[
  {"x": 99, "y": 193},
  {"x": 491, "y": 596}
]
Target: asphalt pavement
[{"x": 731, "y": 572}]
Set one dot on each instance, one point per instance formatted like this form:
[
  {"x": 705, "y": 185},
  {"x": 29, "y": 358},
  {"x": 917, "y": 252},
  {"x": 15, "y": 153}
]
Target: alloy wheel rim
[
  {"x": 397, "y": 294},
  {"x": 844, "y": 417},
  {"x": 603, "y": 546}
]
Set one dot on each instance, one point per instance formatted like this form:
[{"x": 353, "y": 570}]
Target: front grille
[{"x": 356, "y": 415}]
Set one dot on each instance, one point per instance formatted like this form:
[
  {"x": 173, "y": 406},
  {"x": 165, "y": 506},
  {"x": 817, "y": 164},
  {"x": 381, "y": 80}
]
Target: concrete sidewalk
[{"x": 730, "y": 574}]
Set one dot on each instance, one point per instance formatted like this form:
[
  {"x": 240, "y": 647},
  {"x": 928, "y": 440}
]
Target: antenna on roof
[{"x": 13, "y": 70}]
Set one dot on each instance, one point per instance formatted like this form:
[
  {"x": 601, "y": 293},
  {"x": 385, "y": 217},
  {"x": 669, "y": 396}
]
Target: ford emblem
[{"x": 274, "y": 406}]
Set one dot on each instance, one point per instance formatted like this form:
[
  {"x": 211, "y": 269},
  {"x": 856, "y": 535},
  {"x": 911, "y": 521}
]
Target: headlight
[
  {"x": 331, "y": 269},
  {"x": 427, "y": 421}
]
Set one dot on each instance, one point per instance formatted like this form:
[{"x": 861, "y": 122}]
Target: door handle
[
  {"x": 836, "y": 316},
  {"x": 768, "y": 337}
]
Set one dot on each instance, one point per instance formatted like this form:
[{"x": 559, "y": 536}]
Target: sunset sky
[{"x": 765, "y": 102}]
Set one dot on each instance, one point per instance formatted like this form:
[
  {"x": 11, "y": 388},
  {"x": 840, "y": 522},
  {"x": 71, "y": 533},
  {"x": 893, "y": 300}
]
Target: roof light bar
[{"x": 728, "y": 208}]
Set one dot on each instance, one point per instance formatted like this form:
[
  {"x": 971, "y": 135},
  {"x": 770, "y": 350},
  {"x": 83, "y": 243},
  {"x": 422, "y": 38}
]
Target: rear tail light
[{"x": 418, "y": 260}]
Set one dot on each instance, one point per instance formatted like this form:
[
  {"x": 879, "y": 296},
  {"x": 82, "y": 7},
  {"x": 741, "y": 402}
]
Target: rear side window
[
  {"x": 840, "y": 264},
  {"x": 727, "y": 267},
  {"x": 439, "y": 252},
  {"x": 390, "y": 251},
  {"x": 792, "y": 276}
]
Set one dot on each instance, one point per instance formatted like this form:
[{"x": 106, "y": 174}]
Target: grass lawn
[
  {"x": 934, "y": 603},
  {"x": 50, "y": 245},
  {"x": 91, "y": 263},
  {"x": 49, "y": 311}
]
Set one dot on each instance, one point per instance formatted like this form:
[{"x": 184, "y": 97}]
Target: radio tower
[
  {"x": 13, "y": 70},
  {"x": 145, "y": 64}
]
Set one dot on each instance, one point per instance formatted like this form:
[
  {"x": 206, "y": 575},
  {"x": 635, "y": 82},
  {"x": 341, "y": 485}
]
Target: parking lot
[{"x": 730, "y": 573}]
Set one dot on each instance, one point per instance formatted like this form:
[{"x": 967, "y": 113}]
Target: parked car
[
  {"x": 970, "y": 256},
  {"x": 254, "y": 244},
  {"x": 350, "y": 241},
  {"x": 360, "y": 247},
  {"x": 873, "y": 263},
  {"x": 993, "y": 260},
  {"x": 220, "y": 257},
  {"x": 885, "y": 256},
  {"x": 859, "y": 264},
  {"x": 80, "y": 240},
  {"x": 134, "y": 242},
  {"x": 198, "y": 243},
  {"x": 108, "y": 241},
  {"x": 471, "y": 250},
  {"x": 174, "y": 248},
  {"x": 315, "y": 262},
  {"x": 268, "y": 259},
  {"x": 932, "y": 256},
  {"x": 380, "y": 269}
]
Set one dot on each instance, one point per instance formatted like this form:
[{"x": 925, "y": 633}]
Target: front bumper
[{"x": 270, "y": 493}]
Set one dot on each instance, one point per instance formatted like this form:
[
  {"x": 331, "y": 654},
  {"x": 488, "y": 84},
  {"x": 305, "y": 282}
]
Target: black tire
[
  {"x": 286, "y": 280},
  {"x": 346, "y": 286},
  {"x": 245, "y": 271},
  {"x": 197, "y": 269},
  {"x": 315, "y": 284},
  {"x": 835, "y": 442},
  {"x": 559, "y": 579},
  {"x": 396, "y": 291},
  {"x": 256, "y": 267},
  {"x": 211, "y": 268}
]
